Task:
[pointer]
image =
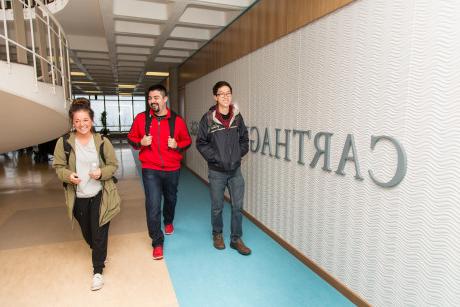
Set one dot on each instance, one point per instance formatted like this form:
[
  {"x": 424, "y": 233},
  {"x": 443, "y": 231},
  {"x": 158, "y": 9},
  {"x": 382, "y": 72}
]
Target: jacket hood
[{"x": 236, "y": 110}]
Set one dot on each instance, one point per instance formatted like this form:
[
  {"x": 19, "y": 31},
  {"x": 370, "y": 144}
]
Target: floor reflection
[
  {"x": 126, "y": 164},
  {"x": 19, "y": 170}
]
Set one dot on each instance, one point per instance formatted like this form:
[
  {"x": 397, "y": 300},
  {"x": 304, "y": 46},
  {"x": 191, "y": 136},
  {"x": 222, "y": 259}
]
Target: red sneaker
[
  {"x": 169, "y": 229},
  {"x": 157, "y": 252}
]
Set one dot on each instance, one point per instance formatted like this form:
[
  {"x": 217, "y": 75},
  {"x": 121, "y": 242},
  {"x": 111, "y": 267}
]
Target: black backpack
[
  {"x": 68, "y": 149},
  {"x": 171, "y": 120}
]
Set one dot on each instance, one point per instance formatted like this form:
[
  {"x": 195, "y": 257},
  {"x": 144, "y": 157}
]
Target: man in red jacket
[{"x": 160, "y": 155}]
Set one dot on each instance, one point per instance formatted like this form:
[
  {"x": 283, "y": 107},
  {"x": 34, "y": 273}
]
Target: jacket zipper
[
  {"x": 159, "y": 152},
  {"x": 230, "y": 157}
]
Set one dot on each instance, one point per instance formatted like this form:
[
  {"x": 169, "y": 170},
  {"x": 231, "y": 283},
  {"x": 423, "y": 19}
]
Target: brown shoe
[
  {"x": 218, "y": 241},
  {"x": 240, "y": 247}
]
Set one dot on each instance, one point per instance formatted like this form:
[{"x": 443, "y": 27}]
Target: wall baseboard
[{"x": 339, "y": 286}]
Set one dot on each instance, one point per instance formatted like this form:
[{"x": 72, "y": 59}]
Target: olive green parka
[{"x": 110, "y": 202}]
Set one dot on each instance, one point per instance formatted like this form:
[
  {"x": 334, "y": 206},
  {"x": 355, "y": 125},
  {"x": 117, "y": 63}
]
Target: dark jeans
[
  {"x": 158, "y": 184},
  {"x": 86, "y": 212},
  {"x": 235, "y": 183}
]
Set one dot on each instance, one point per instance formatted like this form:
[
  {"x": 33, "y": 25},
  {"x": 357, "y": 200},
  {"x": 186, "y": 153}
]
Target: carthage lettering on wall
[{"x": 322, "y": 144}]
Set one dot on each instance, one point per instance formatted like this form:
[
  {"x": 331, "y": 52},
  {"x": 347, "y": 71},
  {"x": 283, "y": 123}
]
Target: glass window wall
[{"x": 121, "y": 110}]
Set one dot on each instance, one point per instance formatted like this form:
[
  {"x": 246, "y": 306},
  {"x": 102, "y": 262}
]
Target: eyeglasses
[{"x": 224, "y": 95}]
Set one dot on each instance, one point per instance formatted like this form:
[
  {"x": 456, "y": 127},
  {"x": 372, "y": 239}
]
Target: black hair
[
  {"x": 218, "y": 85},
  {"x": 155, "y": 87}
]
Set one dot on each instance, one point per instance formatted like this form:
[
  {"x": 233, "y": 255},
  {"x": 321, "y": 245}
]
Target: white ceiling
[{"x": 116, "y": 41}]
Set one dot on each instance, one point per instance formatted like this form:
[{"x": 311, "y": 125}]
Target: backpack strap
[
  {"x": 210, "y": 121},
  {"x": 67, "y": 147},
  {"x": 237, "y": 121},
  {"x": 101, "y": 149},
  {"x": 102, "y": 155},
  {"x": 172, "y": 123},
  {"x": 67, "y": 150},
  {"x": 209, "y": 117},
  {"x": 148, "y": 122}
]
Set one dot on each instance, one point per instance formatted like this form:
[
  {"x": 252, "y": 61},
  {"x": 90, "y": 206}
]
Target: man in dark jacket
[
  {"x": 160, "y": 155},
  {"x": 223, "y": 140}
]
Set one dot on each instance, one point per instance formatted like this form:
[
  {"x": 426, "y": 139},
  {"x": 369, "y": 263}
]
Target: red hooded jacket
[{"x": 158, "y": 155}]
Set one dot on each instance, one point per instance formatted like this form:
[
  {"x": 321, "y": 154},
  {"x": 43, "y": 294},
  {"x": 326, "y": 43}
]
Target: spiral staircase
[{"x": 34, "y": 73}]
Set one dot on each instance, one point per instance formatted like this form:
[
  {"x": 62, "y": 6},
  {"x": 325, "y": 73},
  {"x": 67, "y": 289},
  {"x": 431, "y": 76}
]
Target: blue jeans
[
  {"x": 159, "y": 184},
  {"x": 235, "y": 183}
]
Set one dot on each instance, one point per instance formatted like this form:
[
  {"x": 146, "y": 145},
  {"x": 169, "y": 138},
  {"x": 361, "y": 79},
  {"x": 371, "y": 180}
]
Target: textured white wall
[{"x": 375, "y": 67}]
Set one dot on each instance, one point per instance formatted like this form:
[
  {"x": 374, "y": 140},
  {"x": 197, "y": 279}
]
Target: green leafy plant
[{"x": 104, "y": 129}]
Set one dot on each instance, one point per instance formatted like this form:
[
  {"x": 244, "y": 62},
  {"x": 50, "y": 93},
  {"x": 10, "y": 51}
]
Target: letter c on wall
[{"x": 401, "y": 169}]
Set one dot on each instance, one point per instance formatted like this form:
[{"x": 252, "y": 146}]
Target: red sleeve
[
  {"x": 136, "y": 133},
  {"x": 183, "y": 138}
]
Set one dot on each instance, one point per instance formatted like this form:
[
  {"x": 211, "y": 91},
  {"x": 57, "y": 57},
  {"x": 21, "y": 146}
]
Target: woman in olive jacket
[{"x": 90, "y": 192}]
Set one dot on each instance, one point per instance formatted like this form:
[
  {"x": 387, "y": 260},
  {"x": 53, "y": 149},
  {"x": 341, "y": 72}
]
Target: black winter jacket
[{"x": 222, "y": 148}]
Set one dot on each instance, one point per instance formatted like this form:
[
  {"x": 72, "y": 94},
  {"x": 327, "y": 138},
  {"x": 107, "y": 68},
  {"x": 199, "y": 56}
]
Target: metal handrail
[
  {"x": 54, "y": 56},
  {"x": 7, "y": 4}
]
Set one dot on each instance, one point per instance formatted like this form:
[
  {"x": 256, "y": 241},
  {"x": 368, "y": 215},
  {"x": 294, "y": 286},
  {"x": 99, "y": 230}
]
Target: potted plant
[{"x": 104, "y": 129}]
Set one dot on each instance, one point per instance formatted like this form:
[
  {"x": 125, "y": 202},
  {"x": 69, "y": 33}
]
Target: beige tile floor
[{"x": 43, "y": 262}]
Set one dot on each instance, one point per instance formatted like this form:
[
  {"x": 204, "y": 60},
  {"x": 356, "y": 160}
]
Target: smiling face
[
  {"x": 157, "y": 102},
  {"x": 82, "y": 122},
  {"x": 223, "y": 97}
]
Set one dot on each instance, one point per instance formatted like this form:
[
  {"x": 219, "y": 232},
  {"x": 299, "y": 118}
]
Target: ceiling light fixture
[
  {"x": 93, "y": 92},
  {"x": 83, "y": 82},
  {"x": 157, "y": 74},
  {"x": 77, "y": 74},
  {"x": 126, "y": 86}
]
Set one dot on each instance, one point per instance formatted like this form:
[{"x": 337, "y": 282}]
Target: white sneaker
[{"x": 98, "y": 282}]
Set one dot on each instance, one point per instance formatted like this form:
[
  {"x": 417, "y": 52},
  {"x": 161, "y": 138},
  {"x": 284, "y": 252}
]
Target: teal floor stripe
[{"x": 204, "y": 276}]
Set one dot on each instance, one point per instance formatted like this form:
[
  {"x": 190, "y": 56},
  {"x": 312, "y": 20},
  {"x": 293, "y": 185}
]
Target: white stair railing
[{"x": 41, "y": 42}]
